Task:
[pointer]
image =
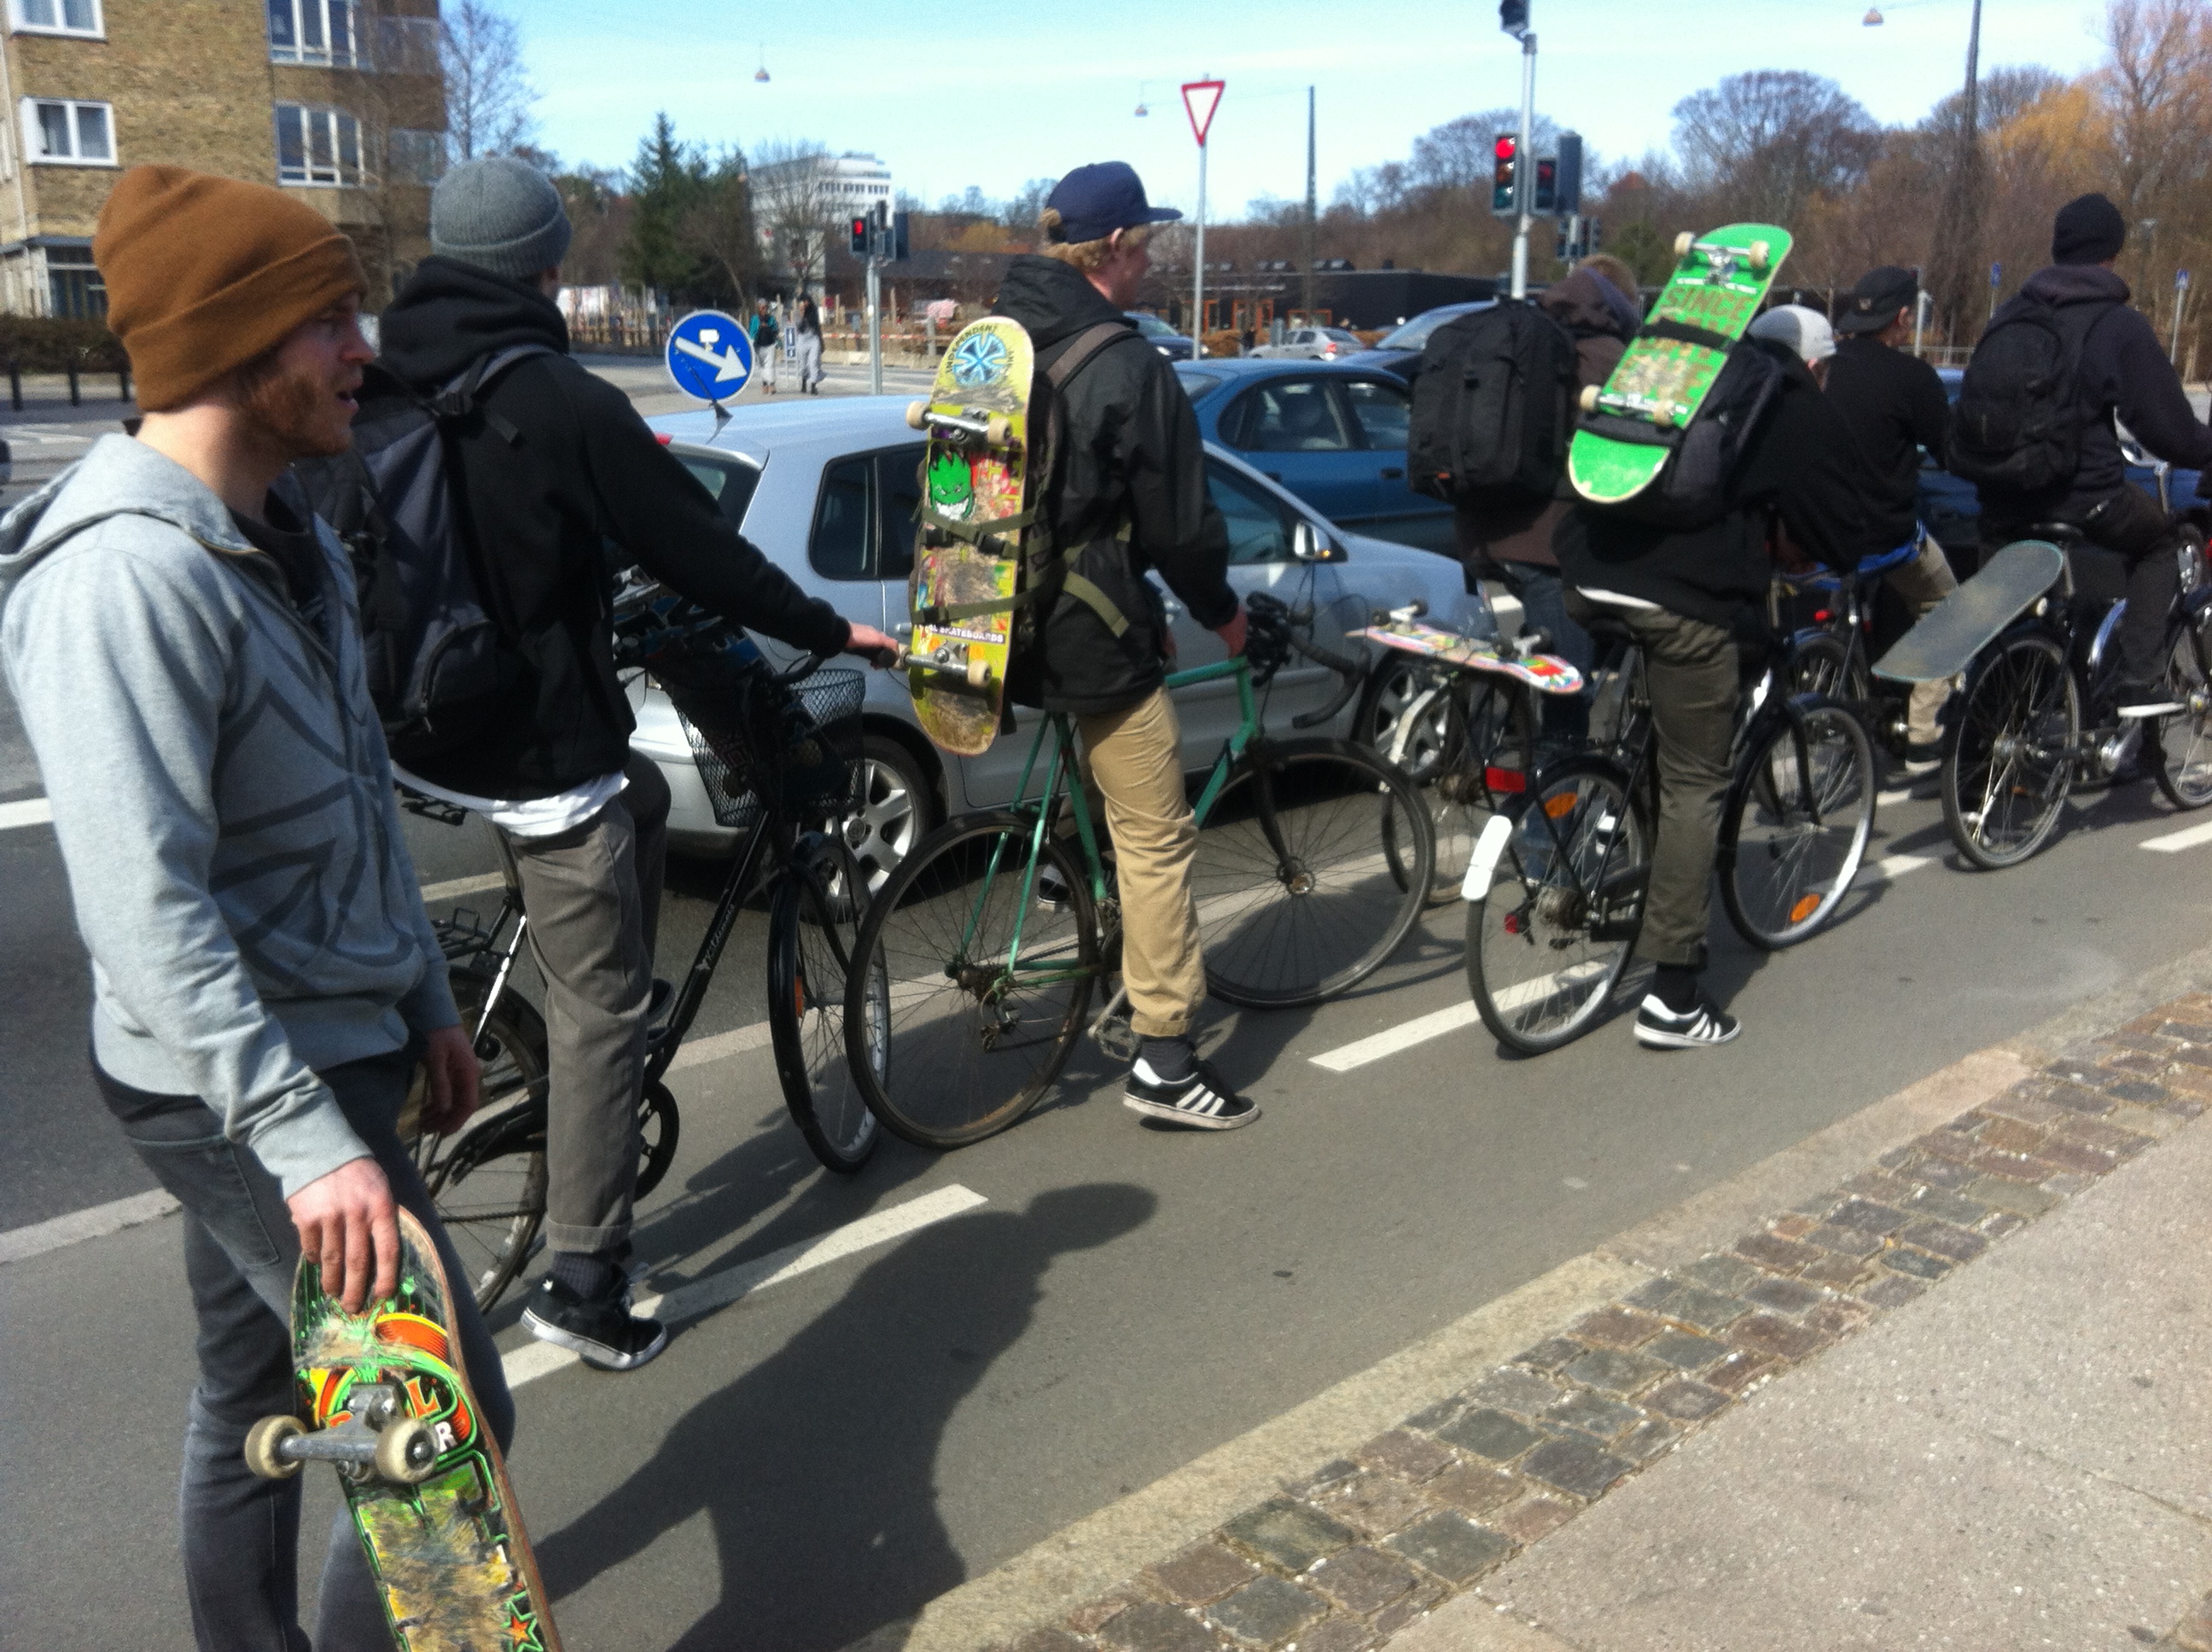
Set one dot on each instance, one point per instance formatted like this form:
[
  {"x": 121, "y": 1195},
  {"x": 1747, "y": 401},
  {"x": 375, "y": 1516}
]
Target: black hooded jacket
[
  {"x": 1130, "y": 453},
  {"x": 1801, "y": 466},
  {"x": 2124, "y": 371},
  {"x": 581, "y": 471}
]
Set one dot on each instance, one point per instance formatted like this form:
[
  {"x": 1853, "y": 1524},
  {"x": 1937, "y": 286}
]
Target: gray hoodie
[{"x": 223, "y": 801}]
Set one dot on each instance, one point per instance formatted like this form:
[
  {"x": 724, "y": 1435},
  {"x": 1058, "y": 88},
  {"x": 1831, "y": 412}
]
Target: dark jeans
[
  {"x": 1690, "y": 671},
  {"x": 1543, "y": 602},
  {"x": 242, "y": 1533},
  {"x": 2146, "y": 540}
]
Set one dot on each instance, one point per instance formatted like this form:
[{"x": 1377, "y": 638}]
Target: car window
[
  {"x": 839, "y": 546},
  {"x": 1151, "y": 326},
  {"x": 1259, "y": 528},
  {"x": 898, "y": 496},
  {"x": 1342, "y": 337},
  {"x": 1289, "y": 416},
  {"x": 731, "y": 481},
  {"x": 1414, "y": 335},
  {"x": 1195, "y": 384},
  {"x": 1381, "y": 411}
]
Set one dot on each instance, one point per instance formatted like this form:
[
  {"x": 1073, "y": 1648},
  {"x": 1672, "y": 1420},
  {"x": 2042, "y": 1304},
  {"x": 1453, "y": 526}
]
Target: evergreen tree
[{"x": 667, "y": 181}]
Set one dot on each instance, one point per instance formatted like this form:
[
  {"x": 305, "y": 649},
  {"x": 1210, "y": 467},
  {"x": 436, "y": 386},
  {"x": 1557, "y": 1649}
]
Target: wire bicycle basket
[{"x": 754, "y": 738}]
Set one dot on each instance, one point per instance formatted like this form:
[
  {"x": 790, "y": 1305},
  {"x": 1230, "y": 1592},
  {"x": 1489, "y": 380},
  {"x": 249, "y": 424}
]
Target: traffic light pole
[
  {"x": 875, "y": 329},
  {"x": 1525, "y": 173},
  {"x": 1198, "y": 265}
]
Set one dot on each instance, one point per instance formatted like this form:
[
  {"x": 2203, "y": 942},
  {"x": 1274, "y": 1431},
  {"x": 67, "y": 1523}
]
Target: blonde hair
[{"x": 1083, "y": 255}]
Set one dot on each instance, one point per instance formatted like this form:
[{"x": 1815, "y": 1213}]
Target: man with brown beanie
[{"x": 182, "y": 640}]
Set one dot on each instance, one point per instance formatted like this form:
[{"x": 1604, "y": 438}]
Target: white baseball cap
[{"x": 1806, "y": 332}]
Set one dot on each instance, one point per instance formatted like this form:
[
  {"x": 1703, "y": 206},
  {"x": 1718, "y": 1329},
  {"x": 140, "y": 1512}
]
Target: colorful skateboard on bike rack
[
  {"x": 1720, "y": 280},
  {"x": 386, "y": 1400},
  {"x": 1970, "y": 618},
  {"x": 974, "y": 472},
  {"x": 1544, "y": 673}
]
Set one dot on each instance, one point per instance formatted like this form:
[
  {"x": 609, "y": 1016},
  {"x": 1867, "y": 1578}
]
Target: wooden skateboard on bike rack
[
  {"x": 386, "y": 1400},
  {"x": 1546, "y": 672},
  {"x": 975, "y": 471},
  {"x": 1970, "y": 618},
  {"x": 1720, "y": 280}
]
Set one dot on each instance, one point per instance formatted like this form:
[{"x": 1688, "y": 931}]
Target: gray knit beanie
[{"x": 501, "y": 214}]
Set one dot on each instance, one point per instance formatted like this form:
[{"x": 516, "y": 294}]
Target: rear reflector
[
  {"x": 663, "y": 438},
  {"x": 1505, "y": 779},
  {"x": 1559, "y": 807}
]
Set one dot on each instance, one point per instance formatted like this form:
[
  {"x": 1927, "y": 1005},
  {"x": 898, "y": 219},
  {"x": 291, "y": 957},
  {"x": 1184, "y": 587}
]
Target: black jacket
[
  {"x": 1895, "y": 406},
  {"x": 2123, "y": 372},
  {"x": 1129, "y": 452},
  {"x": 582, "y": 472},
  {"x": 1801, "y": 466}
]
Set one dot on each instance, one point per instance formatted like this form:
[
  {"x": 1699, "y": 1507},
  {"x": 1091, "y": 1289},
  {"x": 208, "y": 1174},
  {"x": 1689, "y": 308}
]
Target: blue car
[
  {"x": 1400, "y": 352},
  {"x": 1332, "y": 433}
]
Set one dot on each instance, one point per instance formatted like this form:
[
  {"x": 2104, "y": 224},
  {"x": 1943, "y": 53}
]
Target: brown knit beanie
[{"x": 204, "y": 274}]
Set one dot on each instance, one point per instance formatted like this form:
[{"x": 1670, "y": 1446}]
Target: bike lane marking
[
  {"x": 717, "y": 1290},
  {"x": 453, "y": 888},
  {"x": 2175, "y": 842},
  {"x": 30, "y": 811},
  {"x": 94, "y": 1222}
]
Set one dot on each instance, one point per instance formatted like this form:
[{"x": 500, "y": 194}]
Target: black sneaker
[
  {"x": 602, "y": 1330},
  {"x": 1201, "y": 1102},
  {"x": 1660, "y": 1027}
]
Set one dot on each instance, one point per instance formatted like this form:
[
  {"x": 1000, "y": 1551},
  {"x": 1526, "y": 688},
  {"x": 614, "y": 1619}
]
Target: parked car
[
  {"x": 829, "y": 489},
  {"x": 1334, "y": 435},
  {"x": 1163, "y": 338},
  {"x": 1310, "y": 344},
  {"x": 1400, "y": 352}
]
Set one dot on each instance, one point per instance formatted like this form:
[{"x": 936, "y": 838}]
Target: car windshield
[
  {"x": 1151, "y": 326},
  {"x": 1414, "y": 335},
  {"x": 1196, "y": 384},
  {"x": 1340, "y": 335}
]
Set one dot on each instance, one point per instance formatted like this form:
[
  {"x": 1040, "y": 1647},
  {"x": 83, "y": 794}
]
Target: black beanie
[{"x": 2087, "y": 230}]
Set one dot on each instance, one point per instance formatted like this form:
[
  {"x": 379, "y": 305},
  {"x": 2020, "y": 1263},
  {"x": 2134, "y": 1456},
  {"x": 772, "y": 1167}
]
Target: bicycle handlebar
[{"x": 1269, "y": 616}]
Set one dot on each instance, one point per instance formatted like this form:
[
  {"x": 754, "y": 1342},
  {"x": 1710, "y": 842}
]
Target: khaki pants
[
  {"x": 1924, "y": 582},
  {"x": 1134, "y": 757}
]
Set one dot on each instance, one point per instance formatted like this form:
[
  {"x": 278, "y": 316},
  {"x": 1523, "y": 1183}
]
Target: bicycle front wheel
[
  {"x": 2008, "y": 757},
  {"x": 985, "y": 975},
  {"x": 488, "y": 1182},
  {"x": 1312, "y": 867},
  {"x": 813, "y": 934},
  {"x": 1563, "y": 870},
  {"x": 1797, "y": 824},
  {"x": 2184, "y": 737}
]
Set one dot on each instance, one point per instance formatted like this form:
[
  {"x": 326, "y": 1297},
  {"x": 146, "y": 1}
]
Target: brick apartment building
[{"x": 340, "y": 99}]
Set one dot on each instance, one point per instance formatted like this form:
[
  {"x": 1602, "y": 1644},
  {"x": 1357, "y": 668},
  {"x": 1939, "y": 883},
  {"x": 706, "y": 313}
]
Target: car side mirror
[{"x": 1309, "y": 545}]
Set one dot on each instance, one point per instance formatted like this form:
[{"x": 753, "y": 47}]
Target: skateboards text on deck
[
  {"x": 1970, "y": 617},
  {"x": 975, "y": 472},
  {"x": 384, "y": 1397},
  {"x": 1720, "y": 280},
  {"x": 1544, "y": 673}
]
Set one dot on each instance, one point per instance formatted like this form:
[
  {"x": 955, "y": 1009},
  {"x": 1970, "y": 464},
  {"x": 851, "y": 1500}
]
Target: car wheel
[
  {"x": 896, "y": 806},
  {"x": 1389, "y": 692}
]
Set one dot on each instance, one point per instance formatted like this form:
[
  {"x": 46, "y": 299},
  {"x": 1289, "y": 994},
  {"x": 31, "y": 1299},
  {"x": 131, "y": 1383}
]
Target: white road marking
[
  {"x": 1888, "y": 799},
  {"x": 538, "y": 1359},
  {"x": 95, "y": 1222},
  {"x": 31, "y": 811},
  {"x": 1896, "y": 865},
  {"x": 453, "y": 888},
  {"x": 734, "y": 1043},
  {"x": 2175, "y": 842},
  {"x": 1404, "y": 1035}
]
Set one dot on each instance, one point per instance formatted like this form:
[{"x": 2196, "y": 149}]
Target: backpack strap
[{"x": 463, "y": 393}]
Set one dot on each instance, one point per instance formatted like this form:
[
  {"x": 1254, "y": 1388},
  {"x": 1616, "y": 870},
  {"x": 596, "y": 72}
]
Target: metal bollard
[
  {"x": 15, "y": 384},
  {"x": 76, "y": 398},
  {"x": 123, "y": 383}
]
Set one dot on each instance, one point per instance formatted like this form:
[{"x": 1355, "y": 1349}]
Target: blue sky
[{"x": 1045, "y": 86}]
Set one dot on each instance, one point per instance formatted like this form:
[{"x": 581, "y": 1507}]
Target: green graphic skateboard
[
  {"x": 1949, "y": 634},
  {"x": 967, "y": 564},
  {"x": 1544, "y": 673},
  {"x": 385, "y": 1398},
  {"x": 1720, "y": 280}
]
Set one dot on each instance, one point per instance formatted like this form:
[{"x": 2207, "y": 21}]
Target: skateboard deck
[
  {"x": 384, "y": 1396},
  {"x": 975, "y": 471},
  {"x": 1546, "y": 672},
  {"x": 1970, "y": 618},
  {"x": 1720, "y": 280}
]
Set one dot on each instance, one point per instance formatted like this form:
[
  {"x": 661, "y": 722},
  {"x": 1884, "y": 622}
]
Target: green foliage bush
[{"x": 49, "y": 344}]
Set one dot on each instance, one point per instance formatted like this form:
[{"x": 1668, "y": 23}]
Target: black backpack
[
  {"x": 1692, "y": 488},
  {"x": 1494, "y": 404},
  {"x": 2018, "y": 426},
  {"x": 431, "y": 645}
]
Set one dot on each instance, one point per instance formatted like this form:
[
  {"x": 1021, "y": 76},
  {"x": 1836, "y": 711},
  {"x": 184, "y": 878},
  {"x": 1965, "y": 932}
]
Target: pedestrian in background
[
  {"x": 761, "y": 327},
  {"x": 808, "y": 330}
]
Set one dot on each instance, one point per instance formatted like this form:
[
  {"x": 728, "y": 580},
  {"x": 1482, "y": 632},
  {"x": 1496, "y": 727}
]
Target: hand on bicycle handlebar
[
  {"x": 879, "y": 649},
  {"x": 1233, "y": 634}
]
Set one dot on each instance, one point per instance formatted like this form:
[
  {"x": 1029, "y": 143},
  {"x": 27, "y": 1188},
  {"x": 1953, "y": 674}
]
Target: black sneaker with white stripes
[
  {"x": 1201, "y": 1100},
  {"x": 1697, "y": 1027},
  {"x": 601, "y": 1330}
]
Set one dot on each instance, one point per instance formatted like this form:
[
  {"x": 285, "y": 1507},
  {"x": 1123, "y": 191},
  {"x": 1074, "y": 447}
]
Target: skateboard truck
[
  {"x": 946, "y": 659},
  {"x": 378, "y": 1437},
  {"x": 973, "y": 428}
]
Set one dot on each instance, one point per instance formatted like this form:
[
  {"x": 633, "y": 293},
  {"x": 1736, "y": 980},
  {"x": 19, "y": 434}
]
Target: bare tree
[
  {"x": 794, "y": 200},
  {"x": 1765, "y": 143},
  {"x": 719, "y": 224},
  {"x": 490, "y": 101}
]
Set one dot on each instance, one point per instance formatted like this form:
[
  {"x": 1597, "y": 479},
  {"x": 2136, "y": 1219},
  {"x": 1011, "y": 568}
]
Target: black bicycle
[{"x": 777, "y": 752}]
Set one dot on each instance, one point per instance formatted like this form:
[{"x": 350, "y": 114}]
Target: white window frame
[
  {"x": 321, "y": 57},
  {"x": 361, "y": 175},
  {"x": 33, "y": 135},
  {"x": 19, "y": 24}
]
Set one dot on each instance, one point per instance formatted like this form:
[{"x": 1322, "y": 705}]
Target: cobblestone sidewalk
[{"x": 1370, "y": 1543}]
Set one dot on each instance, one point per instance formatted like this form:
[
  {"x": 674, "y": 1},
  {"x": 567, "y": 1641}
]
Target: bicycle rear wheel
[
  {"x": 1563, "y": 869},
  {"x": 2185, "y": 738},
  {"x": 1312, "y": 865},
  {"x": 1795, "y": 826},
  {"x": 2008, "y": 757},
  {"x": 813, "y": 930},
  {"x": 1481, "y": 719},
  {"x": 960, "y": 1046},
  {"x": 488, "y": 1182}
]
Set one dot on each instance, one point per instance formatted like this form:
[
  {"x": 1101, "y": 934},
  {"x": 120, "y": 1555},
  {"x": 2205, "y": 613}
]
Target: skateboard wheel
[
  {"x": 1588, "y": 398},
  {"x": 1760, "y": 252},
  {"x": 264, "y": 1447},
  {"x": 917, "y": 414},
  {"x": 998, "y": 430},
  {"x": 979, "y": 674},
  {"x": 1683, "y": 243},
  {"x": 406, "y": 1452}
]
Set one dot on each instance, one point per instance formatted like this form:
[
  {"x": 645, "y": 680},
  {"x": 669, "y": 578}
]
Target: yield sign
[{"x": 1200, "y": 98}]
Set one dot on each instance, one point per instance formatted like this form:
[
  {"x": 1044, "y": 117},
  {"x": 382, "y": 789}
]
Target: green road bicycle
[{"x": 1313, "y": 862}]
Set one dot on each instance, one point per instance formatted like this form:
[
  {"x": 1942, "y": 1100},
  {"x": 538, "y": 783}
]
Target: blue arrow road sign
[
  {"x": 709, "y": 356},
  {"x": 1997, "y": 272}
]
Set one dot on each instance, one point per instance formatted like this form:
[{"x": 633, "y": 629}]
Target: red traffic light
[
  {"x": 1506, "y": 146},
  {"x": 858, "y": 227}
]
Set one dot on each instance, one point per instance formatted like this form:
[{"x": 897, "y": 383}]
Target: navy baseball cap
[{"x": 1095, "y": 201}]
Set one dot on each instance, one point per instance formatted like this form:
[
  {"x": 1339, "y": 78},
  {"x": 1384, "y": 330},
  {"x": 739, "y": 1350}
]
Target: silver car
[
  {"x": 1312, "y": 345},
  {"x": 829, "y": 489}
]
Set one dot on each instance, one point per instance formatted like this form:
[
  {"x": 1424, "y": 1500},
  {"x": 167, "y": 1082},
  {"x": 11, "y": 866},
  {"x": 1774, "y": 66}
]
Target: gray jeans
[
  {"x": 242, "y": 1533},
  {"x": 593, "y": 897},
  {"x": 1690, "y": 672}
]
